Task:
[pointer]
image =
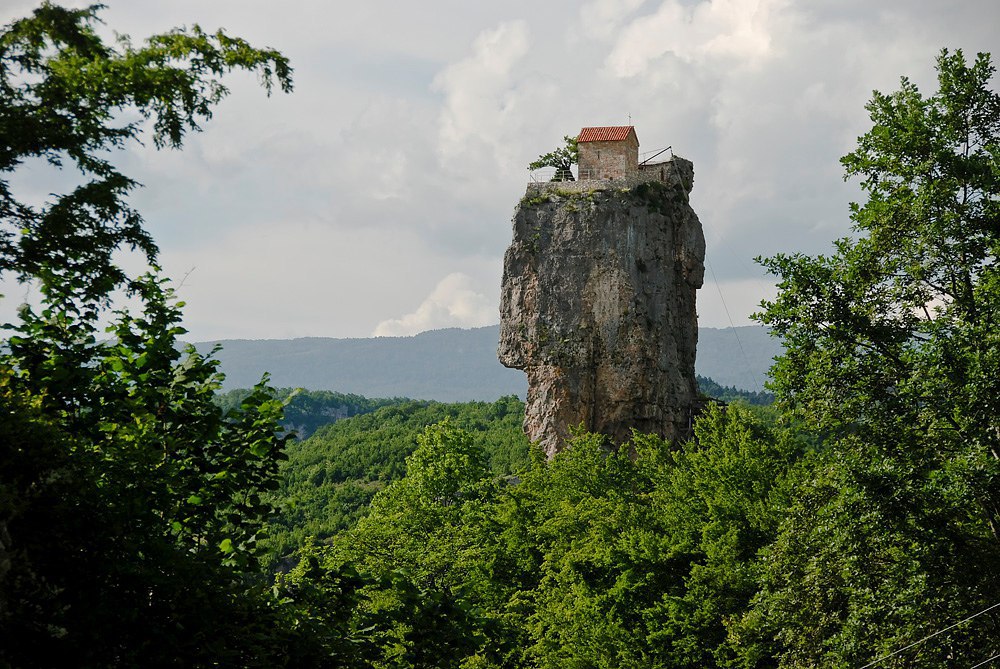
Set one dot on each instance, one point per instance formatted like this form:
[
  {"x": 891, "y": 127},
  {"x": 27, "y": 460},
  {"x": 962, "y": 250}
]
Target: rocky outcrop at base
[{"x": 598, "y": 307}]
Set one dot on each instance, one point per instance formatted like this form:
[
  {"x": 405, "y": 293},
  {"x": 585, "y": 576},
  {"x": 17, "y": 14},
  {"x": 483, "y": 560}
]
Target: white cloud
[
  {"x": 299, "y": 277},
  {"x": 454, "y": 302},
  {"x": 601, "y": 19},
  {"x": 403, "y": 148},
  {"x": 733, "y": 33},
  {"x": 480, "y": 96}
]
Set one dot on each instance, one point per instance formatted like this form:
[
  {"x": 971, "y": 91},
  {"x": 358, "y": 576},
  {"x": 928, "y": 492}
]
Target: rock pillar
[{"x": 598, "y": 306}]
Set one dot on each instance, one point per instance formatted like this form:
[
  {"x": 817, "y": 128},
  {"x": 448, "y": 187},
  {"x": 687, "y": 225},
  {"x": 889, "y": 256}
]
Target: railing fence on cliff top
[
  {"x": 542, "y": 180},
  {"x": 545, "y": 175}
]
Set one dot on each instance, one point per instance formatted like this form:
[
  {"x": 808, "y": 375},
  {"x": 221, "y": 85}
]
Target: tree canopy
[
  {"x": 562, "y": 159},
  {"x": 68, "y": 97},
  {"x": 896, "y": 331},
  {"x": 892, "y": 349},
  {"x": 131, "y": 505}
]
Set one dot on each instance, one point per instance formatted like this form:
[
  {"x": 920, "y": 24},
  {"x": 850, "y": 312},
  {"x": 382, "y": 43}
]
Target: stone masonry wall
[{"x": 604, "y": 160}]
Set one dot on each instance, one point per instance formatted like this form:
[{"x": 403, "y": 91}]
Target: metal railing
[
  {"x": 652, "y": 154},
  {"x": 548, "y": 174},
  {"x": 643, "y": 172}
]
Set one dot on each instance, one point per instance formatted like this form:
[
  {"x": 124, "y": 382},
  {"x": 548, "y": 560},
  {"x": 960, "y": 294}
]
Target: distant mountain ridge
[{"x": 451, "y": 365}]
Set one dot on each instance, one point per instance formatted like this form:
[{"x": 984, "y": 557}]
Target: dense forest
[
  {"x": 305, "y": 411},
  {"x": 330, "y": 478},
  {"x": 147, "y": 521}
]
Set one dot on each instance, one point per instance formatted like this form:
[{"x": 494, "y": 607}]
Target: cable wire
[
  {"x": 746, "y": 360},
  {"x": 931, "y": 636},
  {"x": 985, "y": 662}
]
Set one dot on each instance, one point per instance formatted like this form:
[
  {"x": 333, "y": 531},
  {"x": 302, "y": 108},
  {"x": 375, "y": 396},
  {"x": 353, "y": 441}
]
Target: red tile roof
[{"x": 612, "y": 133}]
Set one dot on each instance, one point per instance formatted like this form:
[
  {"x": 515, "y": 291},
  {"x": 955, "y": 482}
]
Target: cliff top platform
[{"x": 675, "y": 170}]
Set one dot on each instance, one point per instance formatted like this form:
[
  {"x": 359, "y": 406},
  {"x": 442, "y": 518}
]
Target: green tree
[
  {"x": 896, "y": 331},
  {"x": 874, "y": 553},
  {"x": 66, "y": 96},
  {"x": 330, "y": 478},
  {"x": 131, "y": 505},
  {"x": 407, "y": 565},
  {"x": 134, "y": 505},
  {"x": 562, "y": 159},
  {"x": 640, "y": 556},
  {"x": 892, "y": 349}
]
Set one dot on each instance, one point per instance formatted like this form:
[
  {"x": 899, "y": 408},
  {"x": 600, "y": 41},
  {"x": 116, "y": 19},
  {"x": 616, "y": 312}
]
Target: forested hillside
[
  {"x": 305, "y": 411},
  {"x": 330, "y": 478},
  {"x": 333, "y": 472}
]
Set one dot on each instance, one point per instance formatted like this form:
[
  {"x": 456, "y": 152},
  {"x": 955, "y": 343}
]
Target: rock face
[{"x": 598, "y": 307}]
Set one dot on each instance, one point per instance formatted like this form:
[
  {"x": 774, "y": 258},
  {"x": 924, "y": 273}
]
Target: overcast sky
[{"x": 376, "y": 199}]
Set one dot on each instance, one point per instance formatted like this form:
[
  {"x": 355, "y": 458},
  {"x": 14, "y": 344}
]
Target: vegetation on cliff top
[{"x": 562, "y": 159}]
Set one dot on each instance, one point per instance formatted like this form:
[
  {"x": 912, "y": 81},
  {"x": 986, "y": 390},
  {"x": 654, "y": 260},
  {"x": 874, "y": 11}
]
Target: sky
[{"x": 376, "y": 199}]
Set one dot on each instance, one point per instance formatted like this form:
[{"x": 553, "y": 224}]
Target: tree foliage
[
  {"x": 637, "y": 557},
  {"x": 900, "y": 321},
  {"x": 68, "y": 97},
  {"x": 634, "y": 557},
  {"x": 892, "y": 348},
  {"x": 410, "y": 561},
  {"x": 330, "y": 478},
  {"x": 308, "y": 410},
  {"x": 562, "y": 159},
  {"x": 131, "y": 505},
  {"x": 134, "y": 506}
]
